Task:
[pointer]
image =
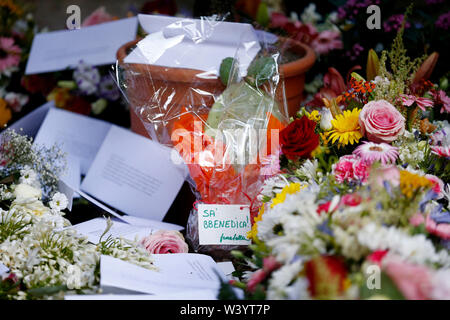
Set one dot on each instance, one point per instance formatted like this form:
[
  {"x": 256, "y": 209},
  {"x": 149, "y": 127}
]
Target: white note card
[
  {"x": 176, "y": 272},
  {"x": 220, "y": 224},
  {"x": 95, "y": 45},
  {"x": 29, "y": 124},
  {"x": 134, "y": 175},
  {"x": 77, "y": 135}
]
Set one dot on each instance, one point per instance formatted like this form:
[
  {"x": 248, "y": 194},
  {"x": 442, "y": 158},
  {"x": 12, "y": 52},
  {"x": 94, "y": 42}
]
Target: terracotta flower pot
[
  {"x": 150, "y": 87},
  {"x": 293, "y": 73},
  {"x": 159, "y": 93}
]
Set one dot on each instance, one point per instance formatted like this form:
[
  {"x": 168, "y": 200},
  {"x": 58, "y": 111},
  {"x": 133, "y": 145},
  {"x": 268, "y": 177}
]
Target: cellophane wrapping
[{"x": 223, "y": 121}]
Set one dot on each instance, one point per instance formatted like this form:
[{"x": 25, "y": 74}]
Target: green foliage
[
  {"x": 387, "y": 290},
  {"x": 228, "y": 68},
  {"x": 261, "y": 70},
  {"x": 12, "y": 224}
]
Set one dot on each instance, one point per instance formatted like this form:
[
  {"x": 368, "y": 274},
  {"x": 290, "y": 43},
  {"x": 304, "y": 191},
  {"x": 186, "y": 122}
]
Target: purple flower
[
  {"x": 394, "y": 23},
  {"x": 443, "y": 22},
  {"x": 108, "y": 89},
  {"x": 87, "y": 78}
]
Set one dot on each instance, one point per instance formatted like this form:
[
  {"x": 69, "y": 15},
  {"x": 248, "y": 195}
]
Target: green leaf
[
  {"x": 261, "y": 70},
  {"x": 226, "y": 68},
  {"x": 43, "y": 291}
]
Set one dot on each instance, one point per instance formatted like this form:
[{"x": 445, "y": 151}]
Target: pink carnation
[
  {"x": 350, "y": 168},
  {"x": 163, "y": 241},
  {"x": 351, "y": 199},
  {"x": 380, "y": 121}
]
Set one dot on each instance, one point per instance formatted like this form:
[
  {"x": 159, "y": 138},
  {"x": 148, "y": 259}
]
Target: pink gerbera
[
  {"x": 327, "y": 41},
  {"x": 422, "y": 103},
  {"x": 371, "y": 152},
  {"x": 9, "y": 54},
  {"x": 441, "y": 151}
]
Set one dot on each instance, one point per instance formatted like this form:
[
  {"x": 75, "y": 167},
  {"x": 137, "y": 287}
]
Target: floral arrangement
[
  {"x": 360, "y": 209},
  {"x": 17, "y": 29},
  {"x": 45, "y": 259}
]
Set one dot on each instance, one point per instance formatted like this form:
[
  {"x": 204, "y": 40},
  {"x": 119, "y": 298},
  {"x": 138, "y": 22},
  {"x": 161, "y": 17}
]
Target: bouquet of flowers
[
  {"x": 46, "y": 260},
  {"x": 17, "y": 29},
  {"x": 360, "y": 209}
]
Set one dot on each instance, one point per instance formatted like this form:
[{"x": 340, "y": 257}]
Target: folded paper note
[
  {"x": 95, "y": 45},
  {"x": 29, "y": 124},
  {"x": 134, "y": 175},
  {"x": 194, "y": 43},
  {"x": 77, "y": 135},
  {"x": 176, "y": 273}
]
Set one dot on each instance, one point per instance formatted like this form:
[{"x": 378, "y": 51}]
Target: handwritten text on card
[{"x": 223, "y": 224}]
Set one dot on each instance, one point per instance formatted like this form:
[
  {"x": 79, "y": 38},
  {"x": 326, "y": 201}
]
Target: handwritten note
[{"x": 223, "y": 224}]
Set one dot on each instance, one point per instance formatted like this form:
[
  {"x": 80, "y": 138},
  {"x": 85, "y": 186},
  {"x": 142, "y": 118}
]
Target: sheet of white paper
[
  {"x": 94, "y": 228},
  {"x": 31, "y": 123},
  {"x": 134, "y": 175},
  {"x": 68, "y": 192},
  {"x": 136, "y": 221},
  {"x": 181, "y": 295},
  {"x": 182, "y": 271},
  {"x": 3, "y": 269},
  {"x": 72, "y": 176},
  {"x": 79, "y": 136},
  {"x": 96, "y": 45},
  {"x": 227, "y": 268},
  {"x": 194, "y": 43},
  {"x": 223, "y": 224}
]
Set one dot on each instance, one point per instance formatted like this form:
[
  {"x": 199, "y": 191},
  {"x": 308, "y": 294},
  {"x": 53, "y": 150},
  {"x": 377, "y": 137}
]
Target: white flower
[
  {"x": 278, "y": 283},
  {"x": 73, "y": 277},
  {"x": 441, "y": 285},
  {"x": 24, "y": 192},
  {"x": 416, "y": 249},
  {"x": 308, "y": 170},
  {"x": 87, "y": 78},
  {"x": 28, "y": 176},
  {"x": 325, "y": 119},
  {"x": 59, "y": 201},
  {"x": 310, "y": 15}
]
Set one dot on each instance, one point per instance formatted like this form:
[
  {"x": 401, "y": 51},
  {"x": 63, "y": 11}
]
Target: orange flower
[{"x": 5, "y": 113}]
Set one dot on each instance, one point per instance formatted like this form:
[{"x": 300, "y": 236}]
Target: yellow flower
[
  {"x": 346, "y": 128},
  {"x": 60, "y": 95},
  {"x": 252, "y": 234},
  {"x": 410, "y": 183},
  {"x": 317, "y": 151},
  {"x": 289, "y": 189},
  {"x": 5, "y": 113},
  {"x": 314, "y": 115},
  {"x": 11, "y": 6}
]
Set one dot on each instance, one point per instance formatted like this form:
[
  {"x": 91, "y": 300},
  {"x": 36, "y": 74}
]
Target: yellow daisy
[
  {"x": 252, "y": 234},
  {"x": 411, "y": 183},
  {"x": 346, "y": 128},
  {"x": 289, "y": 189}
]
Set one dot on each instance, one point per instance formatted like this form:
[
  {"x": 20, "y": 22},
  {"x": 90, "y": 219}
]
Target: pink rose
[
  {"x": 380, "y": 121},
  {"x": 413, "y": 281},
  {"x": 163, "y": 241}
]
